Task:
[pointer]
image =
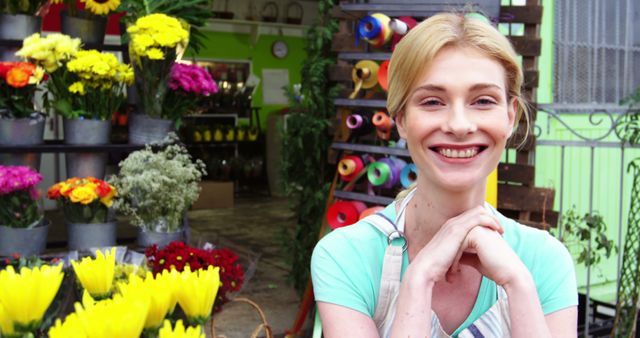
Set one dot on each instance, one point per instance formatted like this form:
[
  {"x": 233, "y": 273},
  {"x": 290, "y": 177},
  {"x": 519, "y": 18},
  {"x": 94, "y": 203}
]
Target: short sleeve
[
  {"x": 340, "y": 276},
  {"x": 555, "y": 276}
]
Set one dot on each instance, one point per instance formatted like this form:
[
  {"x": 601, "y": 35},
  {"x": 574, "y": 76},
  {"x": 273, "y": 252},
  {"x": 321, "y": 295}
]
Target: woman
[{"x": 439, "y": 261}]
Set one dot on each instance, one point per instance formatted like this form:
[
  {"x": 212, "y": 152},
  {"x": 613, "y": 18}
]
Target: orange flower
[
  {"x": 54, "y": 192},
  {"x": 19, "y": 75}
]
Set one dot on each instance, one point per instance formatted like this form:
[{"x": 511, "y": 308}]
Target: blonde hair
[{"x": 420, "y": 46}]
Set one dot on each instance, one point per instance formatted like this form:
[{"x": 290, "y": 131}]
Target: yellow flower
[
  {"x": 196, "y": 293},
  {"x": 159, "y": 290},
  {"x": 155, "y": 31},
  {"x": 173, "y": 279},
  {"x": 179, "y": 331},
  {"x": 155, "y": 54},
  {"x": 49, "y": 52},
  {"x": 83, "y": 194},
  {"x": 6, "y": 325},
  {"x": 101, "y": 7},
  {"x": 77, "y": 88},
  {"x": 72, "y": 327},
  {"x": 25, "y": 296},
  {"x": 96, "y": 275}
]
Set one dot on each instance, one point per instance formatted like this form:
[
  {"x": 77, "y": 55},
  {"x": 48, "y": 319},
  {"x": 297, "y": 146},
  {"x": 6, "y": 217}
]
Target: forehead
[{"x": 462, "y": 66}]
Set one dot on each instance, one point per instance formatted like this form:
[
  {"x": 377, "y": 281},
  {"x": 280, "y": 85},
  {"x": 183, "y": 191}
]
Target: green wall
[{"x": 237, "y": 46}]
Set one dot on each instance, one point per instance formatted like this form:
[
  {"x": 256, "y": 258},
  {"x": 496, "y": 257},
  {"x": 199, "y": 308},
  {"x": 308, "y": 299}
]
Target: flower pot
[
  {"x": 144, "y": 129},
  {"x": 147, "y": 238},
  {"x": 86, "y": 132},
  {"x": 89, "y": 30},
  {"x": 16, "y": 27},
  {"x": 25, "y": 242},
  {"x": 84, "y": 236},
  {"x": 21, "y": 132}
]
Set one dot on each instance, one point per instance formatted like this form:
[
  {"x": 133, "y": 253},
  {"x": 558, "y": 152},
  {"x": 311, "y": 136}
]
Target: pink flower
[
  {"x": 18, "y": 178},
  {"x": 191, "y": 78}
]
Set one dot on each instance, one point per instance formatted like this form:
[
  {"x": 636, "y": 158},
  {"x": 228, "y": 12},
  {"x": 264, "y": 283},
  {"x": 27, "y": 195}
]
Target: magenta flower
[
  {"x": 19, "y": 178},
  {"x": 192, "y": 79}
]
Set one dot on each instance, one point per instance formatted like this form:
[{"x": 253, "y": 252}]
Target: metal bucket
[
  {"x": 84, "y": 236},
  {"x": 86, "y": 132},
  {"x": 25, "y": 242},
  {"x": 16, "y": 27},
  {"x": 147, "y": 238},
  {"x": 144, "y": 129},
  {"x": 89, "y": 30},
  {"x": 21, "y": 132}
]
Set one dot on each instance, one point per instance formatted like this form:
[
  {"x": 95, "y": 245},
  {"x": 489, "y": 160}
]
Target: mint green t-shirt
[{"x": 346, "y": 268}]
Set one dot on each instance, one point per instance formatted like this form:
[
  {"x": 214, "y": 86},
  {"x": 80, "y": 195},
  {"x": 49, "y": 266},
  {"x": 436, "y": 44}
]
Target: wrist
[
  {"x": 414, "y": 278},
  {"x": 521, "y": 282}
]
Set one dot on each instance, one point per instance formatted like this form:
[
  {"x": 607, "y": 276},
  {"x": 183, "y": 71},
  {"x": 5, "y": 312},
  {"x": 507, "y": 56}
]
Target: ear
[
  {"x": 400, "y": 120},
  {"x": 512, "y": 108}
]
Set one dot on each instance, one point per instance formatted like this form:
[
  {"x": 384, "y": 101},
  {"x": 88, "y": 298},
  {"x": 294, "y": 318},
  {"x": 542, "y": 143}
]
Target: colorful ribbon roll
[
  {"x": 385, "y": 172},
  {"x": 400, "y": 27},
  {"x": 374, "y": 29},
  {"x": 371, "y": 211},
  {"x": 383, "y": 75},
  {"x": 408, "y": 175},
  {"x": 491, "y": 194},
  {"x": 349, "y": 167},
  {"x": 359, "y": 123},
  {"x": 343, "y": 213},
  {"x": 384, "y": 124},
  {"x": 365, "y": 75}
]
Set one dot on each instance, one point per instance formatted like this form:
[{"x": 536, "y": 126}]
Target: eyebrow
[{"x": 477, "y": 86}]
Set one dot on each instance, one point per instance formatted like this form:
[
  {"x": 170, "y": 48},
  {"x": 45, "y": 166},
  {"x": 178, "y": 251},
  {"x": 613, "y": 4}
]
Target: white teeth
[{"x": 455, "y": 153}]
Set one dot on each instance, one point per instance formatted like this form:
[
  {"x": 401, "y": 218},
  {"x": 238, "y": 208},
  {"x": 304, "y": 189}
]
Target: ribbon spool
[
  {"x": 365, "y": 75},
  {"x": 400, "y": 27},
  {"x": 408, "y": 175},
  {"x": 383, "y": 75},
  {"x": 384, "y": 124},
  {"x": 371, "y": 211},
  {"x": 385, "y": 172},
  {"x": 349, "y": 167},
  {"x": 343, "y": 213},
  {"x": 374, "y": 29},
  {"x": 360, "y": 123}
]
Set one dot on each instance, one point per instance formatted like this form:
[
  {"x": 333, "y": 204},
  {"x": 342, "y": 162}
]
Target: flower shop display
[
  {"x": 85, "y": 203},
  {"x": 156, "y": 188},
  {"x": 17, "y": 21},
  {"x": 20, "y": 122},
  {"x": 154, "y": 39},
  {"x": 96, "y": 274},
  {"x": 25, "y": 296},
  {"x": 22, "y": 227},
  {"x": 88, "y": 23},
  {"x": 188, "y": 85},
  {"x": 178, "y": 256}
]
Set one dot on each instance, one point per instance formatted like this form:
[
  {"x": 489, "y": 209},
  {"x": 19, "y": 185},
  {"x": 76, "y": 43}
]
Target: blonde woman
[{"x": 439, "y": 261}]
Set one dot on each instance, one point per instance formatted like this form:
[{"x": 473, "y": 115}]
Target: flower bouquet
[
  {"x": 22, "y": 229},
  {"x": 18, "y": 85},
  {"x": 157, "y": 187},
  {"x": 188, "y": 85},
  {"x": 178, "y": 255}
]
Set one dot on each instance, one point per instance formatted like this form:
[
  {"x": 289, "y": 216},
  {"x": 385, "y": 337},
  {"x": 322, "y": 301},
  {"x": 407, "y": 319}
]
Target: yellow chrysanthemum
[
  {"x": 6, "y": 325},
  {"x": 96, "y": 275},
  {"x": 49, "y": 52},
  {"x": 71, "y": 327},
  {"x": 196, "y": 293},
  {"x": 85, "y": 194},
  {"x": 154, "y": 33},
  {"x": 179, "y": 331},
  {"x": 158, "y": 290},
  {"x": 101, "y": 7},
  {"x": 155, "y": 54},
  {"x": 77, "y": 88},
  {"x": 37, "y": 76},
  {"x": 25, "y": 296}
]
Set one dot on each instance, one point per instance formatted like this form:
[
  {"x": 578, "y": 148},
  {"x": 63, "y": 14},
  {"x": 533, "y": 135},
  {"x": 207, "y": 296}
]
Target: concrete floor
[{"x": 251, "y": 229}]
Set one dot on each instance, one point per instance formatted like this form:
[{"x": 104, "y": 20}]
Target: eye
[
  {"x": 485, "y": 101},
  {"x": 430, "y": 102}
]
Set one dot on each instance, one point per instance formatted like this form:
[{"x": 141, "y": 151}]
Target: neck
[{"x": 431, "y": 207}]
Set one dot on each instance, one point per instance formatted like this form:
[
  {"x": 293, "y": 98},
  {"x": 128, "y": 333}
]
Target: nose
[{"x": 458, "y": 122}]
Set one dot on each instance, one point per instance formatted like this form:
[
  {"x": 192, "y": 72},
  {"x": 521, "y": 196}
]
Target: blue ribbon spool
[
  {"x": 408, "y": 175},
  {"x": 369, "y": 28}
]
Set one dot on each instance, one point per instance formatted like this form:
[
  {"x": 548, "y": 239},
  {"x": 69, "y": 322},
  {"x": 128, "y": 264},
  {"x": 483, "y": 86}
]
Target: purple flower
[{"x": 192, "y": 79}]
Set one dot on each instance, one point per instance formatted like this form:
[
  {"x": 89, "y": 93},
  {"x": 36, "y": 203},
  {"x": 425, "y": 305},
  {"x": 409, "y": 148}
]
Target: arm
[{"x": 339, "y": 321}]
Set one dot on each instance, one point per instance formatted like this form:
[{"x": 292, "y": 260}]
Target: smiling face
[{"x": 457, "y": 119}]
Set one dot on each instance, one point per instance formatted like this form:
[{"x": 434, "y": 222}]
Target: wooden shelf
[
  {"x": 382, "y": 104},
  {"x": 380, "y": 200},
  {"x": 364, "y": 148}
]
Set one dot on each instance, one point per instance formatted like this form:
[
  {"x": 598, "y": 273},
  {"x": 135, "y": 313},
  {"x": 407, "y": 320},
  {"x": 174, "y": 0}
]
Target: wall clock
[{"x": 279, "y": 49}]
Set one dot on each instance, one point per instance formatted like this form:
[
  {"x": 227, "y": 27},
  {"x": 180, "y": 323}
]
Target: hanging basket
[{"x": 262, "y": 327}]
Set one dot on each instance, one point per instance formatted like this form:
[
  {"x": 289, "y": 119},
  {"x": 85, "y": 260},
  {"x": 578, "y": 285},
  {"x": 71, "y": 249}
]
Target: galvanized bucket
[
  {"x": 89, "y": 30},
  {"x": 25, "y": 242},
  {"x": 84, "y": 236},
  {"x": 144, "y": 129},
  {"x": 147, "y": 238},
  {"x": 21, "y": 132},
  {"x": 16, "y": 27},
  {"x": 86, "y": 132}
]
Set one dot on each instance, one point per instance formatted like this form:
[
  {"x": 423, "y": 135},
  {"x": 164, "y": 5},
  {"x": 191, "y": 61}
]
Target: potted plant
[
  {"x": 189, "y": 85},
  {"x": 85, "y": 87},
  {"x": 85, "y": 203},
  {"x": 156, "y": 188},
  {"x": 20, "y": 123},
  {"x": 89, "y": 23},
  {"x": 22, "y": 227},
  {"x": 17, "y": 21}
]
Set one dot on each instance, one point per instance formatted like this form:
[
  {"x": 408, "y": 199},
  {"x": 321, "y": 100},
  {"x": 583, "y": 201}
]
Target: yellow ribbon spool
[
  {"x": 386, "y": 29},
  {"x": 491, "y": 194},
  {"x": 365, "y": 75}
]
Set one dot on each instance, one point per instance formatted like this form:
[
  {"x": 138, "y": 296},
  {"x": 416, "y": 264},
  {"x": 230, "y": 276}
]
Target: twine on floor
[{"x": 264, "y": 326}]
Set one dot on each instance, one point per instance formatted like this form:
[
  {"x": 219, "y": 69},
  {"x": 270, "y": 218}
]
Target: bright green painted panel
[{"x": 235, "y": 46}]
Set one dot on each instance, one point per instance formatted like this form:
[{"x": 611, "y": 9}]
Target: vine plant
[{"x": 306, "y": 143}]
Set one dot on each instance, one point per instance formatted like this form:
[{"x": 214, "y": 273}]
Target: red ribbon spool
[
  {"x": 344, "y": 213},
  {"x": 349, "y": 167}
]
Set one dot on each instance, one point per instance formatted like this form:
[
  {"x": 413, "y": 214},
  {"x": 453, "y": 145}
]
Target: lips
[{"x": 458, "y": 151}]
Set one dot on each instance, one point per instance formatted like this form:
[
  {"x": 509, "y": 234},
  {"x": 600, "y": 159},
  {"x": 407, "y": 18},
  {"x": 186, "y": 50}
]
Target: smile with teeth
[{"x": 459, "y": 153}]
